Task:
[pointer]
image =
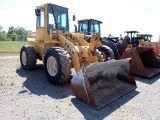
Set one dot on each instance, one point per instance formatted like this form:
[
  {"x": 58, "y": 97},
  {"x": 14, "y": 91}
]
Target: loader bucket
[
  {"x": 101, "y": 83},
  {"x": 144, "y": 61}
]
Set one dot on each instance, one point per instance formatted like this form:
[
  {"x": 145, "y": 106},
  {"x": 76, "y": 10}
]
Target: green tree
[
  {"x": 22, "y": 33},
  {"x": 14, "y": 36},
  {"x": 29, "y": 31},
  {"x": 17, "y": 33},
  {"x": 3, "y": 36},
  {"x": 10, "y": 31}
]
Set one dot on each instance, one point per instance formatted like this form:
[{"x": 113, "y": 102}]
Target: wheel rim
[
  {"x": 52, "y": 67},
  {"x": 104, "y": 55},
  {"x": 24, "y": 58}
]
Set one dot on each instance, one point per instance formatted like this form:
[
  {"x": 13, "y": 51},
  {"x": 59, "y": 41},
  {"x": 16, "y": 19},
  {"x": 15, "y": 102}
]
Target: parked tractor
[
  {"x": 92, "y": 26},
  {"x": 97, "y": 83}
]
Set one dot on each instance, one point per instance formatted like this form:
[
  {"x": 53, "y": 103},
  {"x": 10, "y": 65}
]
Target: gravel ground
[{"x": 27, "y": 95}]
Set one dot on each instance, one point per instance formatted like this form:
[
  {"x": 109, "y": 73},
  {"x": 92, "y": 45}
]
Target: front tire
[
  {"x": 106, "y": 52},
  {"x": 57, "y": 65},
  {"x": 28, "y": 57},
  {"x": 99, "y": 55}
]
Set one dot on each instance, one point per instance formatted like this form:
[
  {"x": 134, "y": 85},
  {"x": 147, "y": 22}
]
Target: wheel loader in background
[
  {"x": 106, "y": 47},
  {"x": 97, "y": 83},
  {"x": 146, "y": 40},
  {"x": 141, "y": 64},
  {"x": 144, "y": 60}
]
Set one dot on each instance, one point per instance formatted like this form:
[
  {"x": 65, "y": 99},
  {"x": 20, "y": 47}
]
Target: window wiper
[{"x": 54, "y": 18}]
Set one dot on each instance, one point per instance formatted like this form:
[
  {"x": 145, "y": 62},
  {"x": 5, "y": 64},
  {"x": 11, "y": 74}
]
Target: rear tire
[
  {"x": 107, "y": 52},
  {"x": 57, "y": 65},
  {"x": 28, "y": 57}
]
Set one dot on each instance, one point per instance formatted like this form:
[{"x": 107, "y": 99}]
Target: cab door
[{"x": 40, "y": 26}]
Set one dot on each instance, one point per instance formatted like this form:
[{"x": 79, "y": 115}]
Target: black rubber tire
[
  {"x": 63, "y": 63},
  {"x": 99, "y": 55},
  {"x": 30, "y": 54},
  {"x": 107, "y": 51}
]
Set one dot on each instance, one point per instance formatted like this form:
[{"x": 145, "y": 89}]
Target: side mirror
[
  {"x": 37, "y": 12},
  {"x": 75, "y": 28},
  {"x": 74, "y": 17}
]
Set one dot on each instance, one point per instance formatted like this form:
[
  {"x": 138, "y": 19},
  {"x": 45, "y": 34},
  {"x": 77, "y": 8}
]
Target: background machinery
[
  {"x": 144, "y": 60},
  {"x": 97, "y": 83},
  {"x": 127, "y": 47},
  {"x": 92, "y": 26},
  {"x": 146, "y": 40}
]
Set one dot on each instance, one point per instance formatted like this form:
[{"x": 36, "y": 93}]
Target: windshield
[
  {"x": 83, "y": 27},
  {"x": 89, "y": 27},
  {"x": 146, "y": 38},
  {"x": 95, "y": 27},
  {"x": 57, "y": 18}
]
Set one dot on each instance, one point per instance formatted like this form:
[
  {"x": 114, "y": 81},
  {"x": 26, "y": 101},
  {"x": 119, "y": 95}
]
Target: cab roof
[
  {"x": 89, "y": 20},
  {"x": 145, "y": 35},
  {"x": 134, "y": 31},
  {"x": 44, "y": 5}
]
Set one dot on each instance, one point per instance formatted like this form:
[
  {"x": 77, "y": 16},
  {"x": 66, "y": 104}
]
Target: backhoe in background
[
  {"x": 127, "y": 47},
  {"x": 97, "y": 83}
]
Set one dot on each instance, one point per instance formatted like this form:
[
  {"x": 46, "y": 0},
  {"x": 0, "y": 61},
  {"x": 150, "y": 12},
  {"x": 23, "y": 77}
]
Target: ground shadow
[
  {"x": 92, "y": 114},
  {"x": 146, "y": 80},
  {"x": 37, "y": 83}
]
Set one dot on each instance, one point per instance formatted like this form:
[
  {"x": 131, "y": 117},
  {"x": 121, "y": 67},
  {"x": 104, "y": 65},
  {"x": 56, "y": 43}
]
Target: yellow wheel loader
[{"x": 97, "y": 83}]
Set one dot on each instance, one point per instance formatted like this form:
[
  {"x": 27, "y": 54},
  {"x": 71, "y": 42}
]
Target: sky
[{"x": 117, "y": 15}]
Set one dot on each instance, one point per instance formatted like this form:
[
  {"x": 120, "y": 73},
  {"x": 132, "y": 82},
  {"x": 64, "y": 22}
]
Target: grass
[{"x": 11, "y": 46}]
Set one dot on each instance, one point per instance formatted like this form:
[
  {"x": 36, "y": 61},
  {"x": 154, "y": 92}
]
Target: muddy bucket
[
  {"x": 101, "y": 83},
  {"x": 144, "y": 61}
]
